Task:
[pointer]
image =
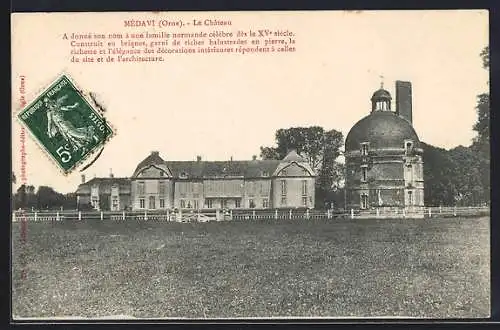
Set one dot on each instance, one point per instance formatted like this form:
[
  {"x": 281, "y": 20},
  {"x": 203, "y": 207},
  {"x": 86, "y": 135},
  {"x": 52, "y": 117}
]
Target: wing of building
[
  {"x": 161, "y": 184},
  {"x": 384, "y": 165}
]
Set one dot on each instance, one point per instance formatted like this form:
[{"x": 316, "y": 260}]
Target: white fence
[{"x": 244, "y": 215}]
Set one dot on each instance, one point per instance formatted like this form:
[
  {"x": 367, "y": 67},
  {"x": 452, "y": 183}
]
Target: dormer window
[
  {"x": 161, "y": 173},
  {"x": 365, "y": 148},
  {"x": 408, "y": 147},
  {"x": 283, "y": 173},
  {"x": 183, "y": 175},
  {"x": 265, "y": 173}
]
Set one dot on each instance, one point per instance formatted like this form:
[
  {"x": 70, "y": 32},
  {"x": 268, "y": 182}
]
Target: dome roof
[
  {"x": 383, "y": 129},
  {"x": 381, "y": 94}
]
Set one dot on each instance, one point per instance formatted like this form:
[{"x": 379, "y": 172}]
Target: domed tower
[{"x": 384, "y": 167}]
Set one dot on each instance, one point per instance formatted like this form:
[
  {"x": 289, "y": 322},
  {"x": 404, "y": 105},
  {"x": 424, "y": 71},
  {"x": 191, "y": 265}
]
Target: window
[
  {"x": 209, "y": 203},
  {"x": 189, "y": 204},
  {"x": 141, "y": 188},
  {"x": 251, "y": 203},
  {"x": 161, "y": 173},
  {"x": 183, "y": 204},
  {"x": 152, "y": 202},
  {"x": 284, "y": 173},
  {"x": 261, "y": 188},
  {"x": 408, "y": 147},
  {"x": 223, "y": 203},
  {"x": 95, "y": 202},
  {"x": 162, "y": 203},
  {"x": 195, "y": 204},
  {"x": 364, "y": 201},
  {"x": 409, "y": 170},
  {"x": 251, "y": 188},
  {"x": 114, "y": 203},
  {"x": 161, "y": 187},
  {"x": 283, "y": 187},
  {"x": 265, "y": 173},
  {"x": 183, "y": 175},
  {"x": 265, "y": 203},
  {"x": 364, "y": 149},
  {"x": 410, "y": 198},
  {"x": 364, "y": 173},
  {"x": 304, "y": 201},
  {"x": 142, "y": 203},
  {"x": 283, "y": 200},
  {"x": 304, "y": 187},
  {"x": 237, "y": 203}
]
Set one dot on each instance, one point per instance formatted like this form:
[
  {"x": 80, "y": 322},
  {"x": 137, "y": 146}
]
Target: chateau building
[
  {"x": 254, "y": 184},
  {"x": 111, "y": 192},
  {"x": 383, "y": 157}
]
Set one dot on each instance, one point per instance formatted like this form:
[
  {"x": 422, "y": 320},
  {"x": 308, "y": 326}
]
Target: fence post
[
  {"x": 352, "y": 213},
  {"x": 231, "y": 214},
  {"x": 404, "y": 213},
  {"x": 217, "y": 214},
  {"x": 123, "y": 215},
  {"x": 57, "y": 216},
  {"x": 35, "y": 217},
  {"x": 290, "y": 216},
  {"x": 455, "y": 211},
  {"x": 145, "y": 215},
  {"x": 79, "y": 215},
  {"x": 253, "y": 214},
  {"x": 430, "y": 212},
  {"x": 276, "y": 214},
  {"x": 328, "y": 215},
  {"x": 168, "y": 215},
  {"x": 378, "y": 213},
  {"x": 440, "y": 209},
  {"x": 307, "y": 214},
  {"x": 180, "y": 214}
]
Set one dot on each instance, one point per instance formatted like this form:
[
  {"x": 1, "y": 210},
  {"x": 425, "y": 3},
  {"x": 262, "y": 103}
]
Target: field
[{"x": 437, "y": 268}]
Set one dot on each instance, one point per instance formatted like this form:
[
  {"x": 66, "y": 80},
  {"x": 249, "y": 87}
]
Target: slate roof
[
  {"x": 381, "y": 94},
  {"x": 207, "y": 169},
  {"x": 383, "y": 129},
  {"x": 105, "y": 185}
]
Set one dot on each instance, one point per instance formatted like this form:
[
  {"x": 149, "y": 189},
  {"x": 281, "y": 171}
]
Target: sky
[{"x": 223, "y": 106}]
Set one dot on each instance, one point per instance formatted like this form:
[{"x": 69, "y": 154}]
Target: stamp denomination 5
[{"x": 65, "y": 124}]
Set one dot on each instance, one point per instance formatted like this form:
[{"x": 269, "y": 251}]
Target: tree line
[{"x": 43, "y": 198}]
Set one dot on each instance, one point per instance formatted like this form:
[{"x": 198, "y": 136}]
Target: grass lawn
[{"x": 436, "y": 268}]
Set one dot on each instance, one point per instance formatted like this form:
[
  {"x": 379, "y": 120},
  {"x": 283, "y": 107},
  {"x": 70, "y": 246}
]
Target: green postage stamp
[{"x": 65, "y": 124}]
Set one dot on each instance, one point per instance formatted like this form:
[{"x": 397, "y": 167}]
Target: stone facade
[
  {"x": 384, "y": 165},
  {"x": 254, "y": 184}
]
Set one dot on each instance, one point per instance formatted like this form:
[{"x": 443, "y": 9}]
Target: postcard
[{"x": 250, "y": 165}]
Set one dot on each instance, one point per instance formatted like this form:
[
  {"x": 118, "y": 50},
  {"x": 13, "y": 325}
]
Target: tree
[
  {"x": 481, "y": 142},
  {"x": 438, "y": 173},
  {"x": 320, "y": 148},
  {"x": 48, "y": 198}
]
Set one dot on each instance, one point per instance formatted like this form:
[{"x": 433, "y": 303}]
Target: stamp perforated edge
[{"x": 85, "y": 97}]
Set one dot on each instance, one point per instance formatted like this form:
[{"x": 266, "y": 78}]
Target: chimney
[
  {"x": 111, "y": 173},
  {"x": 83, "y": 178},
  {"x": 403, "y": 100},
  {"x": 254, "y": 157},
  {"x": 198, "y": 158},
  {"x": 155, "y": 153},
  {"x": 231, "y": 159}
]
